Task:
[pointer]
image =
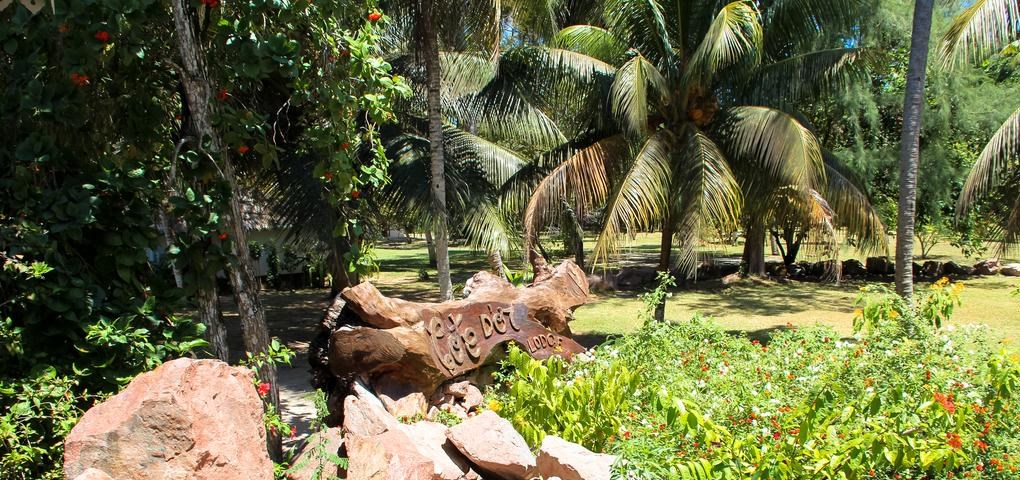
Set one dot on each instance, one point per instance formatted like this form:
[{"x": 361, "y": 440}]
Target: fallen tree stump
[{"x": 402, "y": 348}]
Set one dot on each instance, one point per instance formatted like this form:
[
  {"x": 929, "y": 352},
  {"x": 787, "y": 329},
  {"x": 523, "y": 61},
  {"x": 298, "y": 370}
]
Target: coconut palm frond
[
  {"x": 852, "y": 208},
  {"x": 592, "y": 41},
  {"x": 642, "y": 24},
  {"x": 806, "y": 75},
  {"x": 981, "y": 29},
  {"x": 465, "y": 73},
  {"x": 486, "y": 228},
  {"x": 582, "y": 177},
  {"x": 708, "y": 194},
  {"x": 1000, "y": 155},
  {"x": 538, "y": 17},
  {"x": 773, "y": 147},
  {"x": 735, "y": 36},
  {"x": 642, "y": 197},
  {"x": 504, "y": 112},
  {"x": 637, "y": 84},
  {"x": 497, "y": 162},
  {"x": 803, "y": 21}
]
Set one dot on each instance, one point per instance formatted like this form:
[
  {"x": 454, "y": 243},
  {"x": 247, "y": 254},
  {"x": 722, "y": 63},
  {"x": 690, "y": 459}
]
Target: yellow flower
[
  {"x": 858, "y": 312},
  {"x": 494, "y": 406},
  {"x": 942, "y": 281},
  {"x": 893, "y": 314},
  {"x": 957, "y": 287}
]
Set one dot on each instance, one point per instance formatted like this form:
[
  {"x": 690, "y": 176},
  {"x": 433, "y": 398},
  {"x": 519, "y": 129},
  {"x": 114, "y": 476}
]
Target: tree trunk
[
  {"x": 341, "y": 277},
  {"x": 665, "y": 261},
  {"x": 430, "y": 245},
  {"x": 754, "y": 249},
  {"x": 198, "y": 95},
  {"x": 431, "y": 54},
  {"x": 209, "y": 313},
  {"x": 913, "y": 105}
]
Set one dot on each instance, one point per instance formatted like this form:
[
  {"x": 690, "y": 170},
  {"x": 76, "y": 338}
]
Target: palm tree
[
  {"x": 981, "y": 29},
  {"x": 433, "y": 25},
  {"x": 910, "y": 145},
  {"x": 696, "y": 118}
]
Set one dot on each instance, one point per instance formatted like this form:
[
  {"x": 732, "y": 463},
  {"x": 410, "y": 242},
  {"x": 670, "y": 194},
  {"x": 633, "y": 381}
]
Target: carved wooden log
[{"x": 420, "y": 345}]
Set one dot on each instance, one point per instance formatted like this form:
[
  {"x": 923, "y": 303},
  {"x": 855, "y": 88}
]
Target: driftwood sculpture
[{"x": 405, "y": 347}]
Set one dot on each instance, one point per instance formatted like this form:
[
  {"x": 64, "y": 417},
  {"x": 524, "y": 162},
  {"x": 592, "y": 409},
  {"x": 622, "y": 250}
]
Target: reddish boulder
[
  {"x": 570, "y": 461},
  {"x": 429, "y": 439},
  {"x": 492, "y": 444},
  {"x": 365, "y": 418},
  {"x": 195, "y": 419},
  {"x": 387, "y": 456}
]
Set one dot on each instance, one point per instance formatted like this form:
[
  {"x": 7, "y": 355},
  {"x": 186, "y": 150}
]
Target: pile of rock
[
  {"x": 202, "y": 419},
  {"x": 484, "y": 445}
]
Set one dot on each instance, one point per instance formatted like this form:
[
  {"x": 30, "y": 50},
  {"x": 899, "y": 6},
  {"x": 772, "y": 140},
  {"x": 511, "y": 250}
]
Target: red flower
[
  {"x": 243, "y": 149},
  {"x": 222, "y": 95},
  {"x": 63, "y": 28},
  {"x": 776, "y": 435},
  {"x": 980, "y": 445},
  {"x": 80, "y": 79},
  {"x": 211, "y": 3},
  {"x": 293, "y": 431},
  {"x": 953, "y": 440},
  {"x": 626, "y": 434},
  {"x": 345, "y": 145},
  {"x": 374, "y": 17},
  {"x": 103, "y": 36},
  {"x": 329, "y": 176},
  {"x": 355, "y": 194},
  {"x": 263, "y": 389},
  {"x": 224, "y": 236},
  {"x": 946, "y": 401}
]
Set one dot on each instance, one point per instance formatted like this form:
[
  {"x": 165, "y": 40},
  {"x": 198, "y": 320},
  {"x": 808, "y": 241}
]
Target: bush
[{"x": 805, "y": 405}]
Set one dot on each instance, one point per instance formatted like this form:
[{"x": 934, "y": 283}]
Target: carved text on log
[{"x": 460, "y": 339}]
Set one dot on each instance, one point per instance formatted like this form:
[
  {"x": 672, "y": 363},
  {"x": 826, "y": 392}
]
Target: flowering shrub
[{"x": 938, "y": 404}]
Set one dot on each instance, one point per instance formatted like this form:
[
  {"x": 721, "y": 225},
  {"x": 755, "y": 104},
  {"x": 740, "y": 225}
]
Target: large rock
[
  {"x": 313, "y": 462},
  {"x": 430, "y": 440},
  {"x": 400, "y": 399},
  {"x": 1010, "y": 270},
  {"x": 931, "y": 269},
  {"x": 631, "y": 278},
  {"x": 956, "y": 270},
  {"x": 387, "y": 456},
  {"x": 570, "y": 461},
  {"x": 987, "y": 267},
  {"x": 854, "y": 268},
  {"x": 879, "y": 266},
  {"x": 492, "y": 444},
  {"x": 187, "y": 419},
  {"x": 365, "y": 418}
]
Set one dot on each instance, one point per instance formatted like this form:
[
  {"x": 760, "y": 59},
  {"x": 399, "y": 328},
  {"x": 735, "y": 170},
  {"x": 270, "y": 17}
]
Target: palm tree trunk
[
  {"x": 431, "y": 54},
  {"x": 913, "y": 105},
  {"x": 754, "y": 249},
  {"x": 665, "y": 260},
  {"x": 430, "y": 245},
  {"x": 198, "y": 95}
]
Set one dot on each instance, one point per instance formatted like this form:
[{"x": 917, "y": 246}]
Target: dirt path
[{"x": 293, "y": 318}]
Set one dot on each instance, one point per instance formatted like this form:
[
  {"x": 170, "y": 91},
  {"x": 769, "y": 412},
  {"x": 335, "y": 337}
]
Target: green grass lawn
[{"x": 749, "y": 305}]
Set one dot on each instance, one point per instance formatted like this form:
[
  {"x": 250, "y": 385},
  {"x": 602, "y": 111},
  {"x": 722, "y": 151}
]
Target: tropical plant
[
  {"x": 687, "y": 114},
  {"x": 983, "y": 28}
]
